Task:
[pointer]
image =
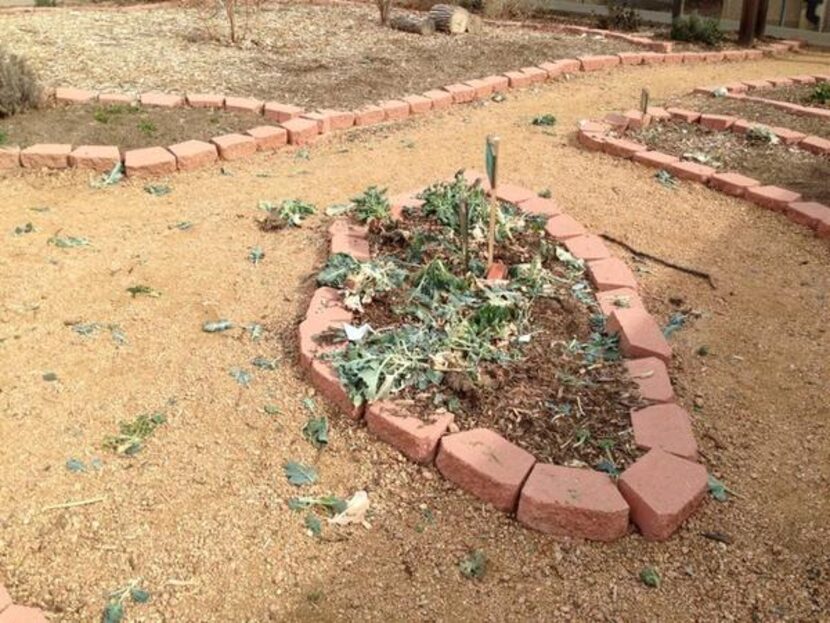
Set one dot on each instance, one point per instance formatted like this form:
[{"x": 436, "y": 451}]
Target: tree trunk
[
  {"x": 410, "y": 23},
  {"x": 676, "y": 9},
  {"x": 451, "y": 19},
  {"x": 749, "y": 15},
  {"x": 761, "y": 20}
]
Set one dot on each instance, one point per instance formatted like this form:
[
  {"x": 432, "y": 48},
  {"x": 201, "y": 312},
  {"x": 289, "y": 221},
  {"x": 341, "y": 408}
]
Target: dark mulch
[
  {"x": 753, "y": 111},
  {"x": 780, "y": 165},
  {"x": 550, "y": 401},
  {"x": 128, "y": 127}
]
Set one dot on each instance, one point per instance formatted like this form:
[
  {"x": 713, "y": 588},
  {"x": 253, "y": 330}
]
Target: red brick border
[
  {"x": 597, "y": 136},
  {"x": 294, "y": 121},
  {"x": 15, "y": 613},
  {"x": 740, "y": 91},
  {"x": 553, "y": 499}
]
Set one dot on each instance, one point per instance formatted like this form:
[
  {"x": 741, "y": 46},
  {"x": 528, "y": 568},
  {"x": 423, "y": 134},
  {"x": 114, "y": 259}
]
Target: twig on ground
[
  {"x": 685, "y": 269},
  {"x": 75, "y": 503}
]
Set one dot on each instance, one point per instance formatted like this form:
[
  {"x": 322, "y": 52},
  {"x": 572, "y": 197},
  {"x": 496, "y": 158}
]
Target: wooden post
[
  {"x": 492, "y": 173},
  {"x": 761, "y": 18},
  {"x": 644, "y": 97}
]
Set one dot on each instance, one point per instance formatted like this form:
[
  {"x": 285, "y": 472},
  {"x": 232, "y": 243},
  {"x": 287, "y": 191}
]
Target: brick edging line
[
  {"x": 739, "y": 90},
  {"x": 600, "y": 136},
  {"x": 658, "y": 492},
  {"x": 292, "y": 125}
]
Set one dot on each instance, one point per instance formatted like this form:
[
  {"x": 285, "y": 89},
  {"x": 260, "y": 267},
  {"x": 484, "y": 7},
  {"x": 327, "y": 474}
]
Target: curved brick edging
[
  {"x": 292, "y": 125},
  {"x": 738, "y": 90},
  {"x": 597, "y": 136},
  {"x": 15, "y": 613},
  {"x": 657, "y": 492}
]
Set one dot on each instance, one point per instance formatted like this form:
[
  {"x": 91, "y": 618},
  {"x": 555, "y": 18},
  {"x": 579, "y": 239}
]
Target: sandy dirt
[{"x": 200, "y": 514}]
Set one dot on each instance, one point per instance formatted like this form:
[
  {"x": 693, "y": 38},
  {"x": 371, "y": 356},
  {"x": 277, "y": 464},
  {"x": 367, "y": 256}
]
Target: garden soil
[{"x": 200, "y": 516}]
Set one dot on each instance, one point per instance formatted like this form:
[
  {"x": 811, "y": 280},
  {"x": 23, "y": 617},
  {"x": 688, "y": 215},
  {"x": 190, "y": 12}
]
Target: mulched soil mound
[
  {"x": 550, "y": 401},
  {"x": 779, "y": 165},
  {"x": 803, "y": 94},
  {"x": 127, "y": 127},
  {"x": 311, "y": 55},
  {"x": 753, "y": 111}
]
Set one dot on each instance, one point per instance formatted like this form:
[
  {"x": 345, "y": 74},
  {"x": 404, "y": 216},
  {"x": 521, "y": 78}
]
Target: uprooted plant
[{"x": 443, "y": 335}]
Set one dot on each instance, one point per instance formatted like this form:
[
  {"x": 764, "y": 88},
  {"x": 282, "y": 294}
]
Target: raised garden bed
[
  {"x": 124, "y": 125},
  {"x": 813, "y": 95},
  {"x": 750, "y": 154},
  {"x": 751, "y": 111},
  {"x": 510, "y": 378},
  {"x": 309, "y": 55}
]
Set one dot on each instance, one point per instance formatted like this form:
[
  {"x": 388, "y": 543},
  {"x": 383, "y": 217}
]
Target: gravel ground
[
  {"x": 310, "y": 55},
  {"x": 200, "y": 515}
]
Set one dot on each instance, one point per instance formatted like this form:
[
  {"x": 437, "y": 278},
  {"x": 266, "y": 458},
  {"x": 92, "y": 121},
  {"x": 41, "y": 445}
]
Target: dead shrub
[
  {"x": 231, "y": 20},
  {"x": 19, "y": 86}
]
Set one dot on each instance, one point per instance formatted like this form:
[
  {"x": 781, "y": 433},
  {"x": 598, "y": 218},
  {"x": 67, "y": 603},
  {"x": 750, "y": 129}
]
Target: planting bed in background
[
  {"x": 749, "y": 152},
  {"x": 507, "y": 379}
]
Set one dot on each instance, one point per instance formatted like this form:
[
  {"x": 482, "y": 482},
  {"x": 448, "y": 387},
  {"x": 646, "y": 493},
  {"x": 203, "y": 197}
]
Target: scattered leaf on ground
[
  {"x": 316, "y": 430},
  {"x": 256, "y": 255},
  {"x": 243, "y": 377},
  {"x": 68, "y": 242},
  {"x": 217, "y": 326},
  {"x": 143, "y": 290},
  {"x": 650, "y": 577},
  {"x": 474, "y": 565},
  {"x": 299, "y": 474},
  {"x": 546, "y": 120},
  {"x": 717, "y": 489},
  {"x": 314, "y": 525},
  {"x": 264, "y": 363},
  {"x": 158, "y": 190}
]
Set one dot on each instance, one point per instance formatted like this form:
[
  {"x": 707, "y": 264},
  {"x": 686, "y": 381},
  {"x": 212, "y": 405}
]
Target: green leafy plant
[
  {"x": 821, "y": 93},
  {"x": 131, "y": 437},
  {"x": 256, "y": 255},
  {"x": 289, "y": 213},
  {"x": 474, "y": 565},
  {"x": 114, "y": 610},
  {"x": 19, "y": 86},
  {"x": 147, "y": 127},
  {"x": 371, "y": 206},
  {"x": 695, "y": 29},
  {"x": 331, "y": 504},
  {"x": 337, "y": 269}
]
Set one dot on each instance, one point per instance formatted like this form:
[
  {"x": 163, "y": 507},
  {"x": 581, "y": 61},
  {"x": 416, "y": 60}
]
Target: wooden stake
[
  {"x": 644, "y": 97},
  {"x": 492, "y": 172}
]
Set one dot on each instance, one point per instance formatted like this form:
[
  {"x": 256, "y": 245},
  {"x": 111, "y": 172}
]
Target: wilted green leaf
[
  {"x": 143, "y": 291},
  {"x": 717, "y": 489},
  {"x": 217, "y": 326},
  {"x": 67, "y": 242},
  {"x": 546, "y": 120},
  {"x": 316, "y": 430},
  {"x": 299, "y": 474},
  {"x": 243, "y": 377},
  {"x": 264, "y": 363},
  {"x": 139, "y": 595},
  {"x": 157, "y": 190},
  {"x": 113, "y": 612},
  {"x": 312, "y": 522},
  {"x": 256, "y": 255}
]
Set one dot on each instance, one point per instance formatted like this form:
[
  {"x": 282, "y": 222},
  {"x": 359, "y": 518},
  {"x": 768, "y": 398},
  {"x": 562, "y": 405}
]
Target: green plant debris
[
  {"x": 608, "y": 466},
  {"x": 157, "y": 190},
  {"x": 86, "y": 329},
  {"x": 217, "y": 326},
  {"x": 544, "y": 120},
  {"x": 255, "y": 330},
  {"x": 762, "y": 134},
  {"x": 49, "y": 377},
  {"x": 666, "y": 179},
  {"x": 498, "y": 98},
  {"x": 474, "y": 565},
  {"x": 299, "y": 474},
  {"x": 21, "y": 230},
  {"x": 114, "y": 610},
  {"x": 256, "y": 255},
  {"x": 316, "y": 431},
  {"x": 182, "y": 225},
  {"x": 702, "y": 351},
  {"x": 717, "y": 489},
  {"x": 331, "y": 504},
  {"x": 289, "y": 213},
  {"x": 263, "y": 363},
  {"x": 115, "y": 175},
  {"x": 676, "y": 322},
  {"x": 243, "y": 377},
  {"x": 313, "y": 524},
  {"x": 272, "y": 409},
  {"x": 117, "y": 334},
  {"x": 4, "y": 137},
  {"x": 143, "y": 290},
  {"x": 545, "y": 193},
  {"x": 75, "y": 466},
  {"x": 302, "y": 154},
  {"x": 132, "y": 434},
  {"x": 310, "y": 404},
  {"x": 650, "y": 577},
  {"x": 69, "y": 242}
]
